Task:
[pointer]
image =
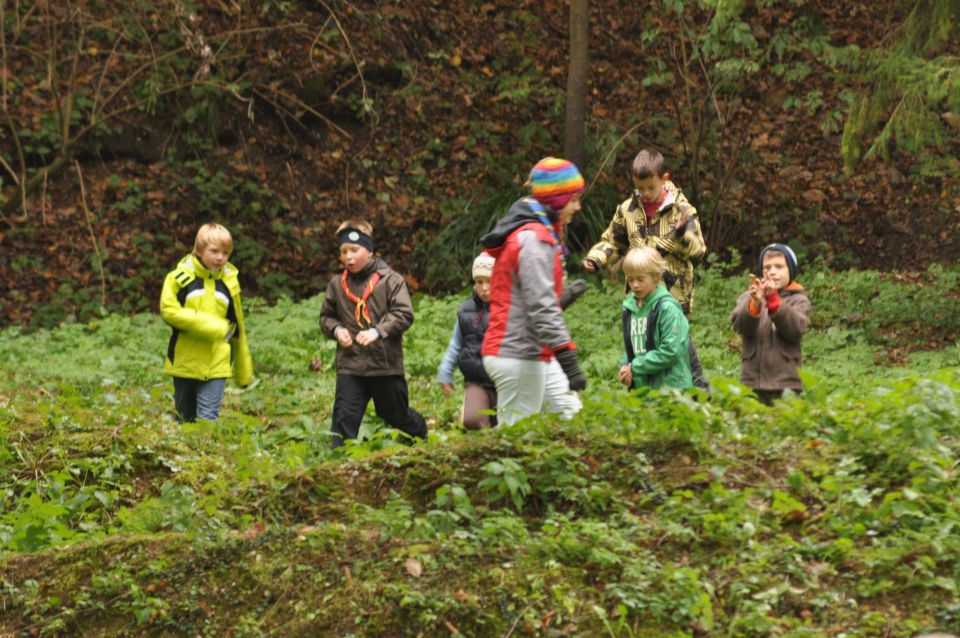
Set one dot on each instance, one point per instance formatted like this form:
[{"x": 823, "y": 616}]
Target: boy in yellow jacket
[{"x": 201, "y": 302}]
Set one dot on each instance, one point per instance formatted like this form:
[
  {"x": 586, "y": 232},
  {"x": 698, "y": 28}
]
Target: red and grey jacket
[{"x": 526, "y": 321}]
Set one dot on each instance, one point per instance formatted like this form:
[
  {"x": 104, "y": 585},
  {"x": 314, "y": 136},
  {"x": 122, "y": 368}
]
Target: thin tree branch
[
  {"x": 306, "y": 108},
  {"x": 606, "y": 157},
  {"x": 363, "y": 84},
  {"x": 93, "y": 238}
]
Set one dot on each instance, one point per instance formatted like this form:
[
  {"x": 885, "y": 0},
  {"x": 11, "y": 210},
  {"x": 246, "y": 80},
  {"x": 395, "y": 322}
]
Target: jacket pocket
[{"x": 789, "y": 351}]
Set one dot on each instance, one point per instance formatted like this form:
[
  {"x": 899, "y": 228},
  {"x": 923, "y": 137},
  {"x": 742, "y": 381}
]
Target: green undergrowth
[{"x": 829, "y": 514}]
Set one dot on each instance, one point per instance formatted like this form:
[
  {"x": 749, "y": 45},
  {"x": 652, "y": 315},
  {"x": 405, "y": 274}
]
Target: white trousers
[{"x": 526, "y": 387}]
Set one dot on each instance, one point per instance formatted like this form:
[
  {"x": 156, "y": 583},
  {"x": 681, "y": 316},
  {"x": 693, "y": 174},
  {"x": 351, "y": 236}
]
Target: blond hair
[
  {"x": 355, "y": 224},
  {"x": 641, "y": 261},
  {"x": 213, "y": 234}
]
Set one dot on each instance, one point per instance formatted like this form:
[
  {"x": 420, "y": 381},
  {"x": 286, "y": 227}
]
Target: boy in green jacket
[
  {"x": 655, "y": 331},
  {"x": 201, "y": 303}
]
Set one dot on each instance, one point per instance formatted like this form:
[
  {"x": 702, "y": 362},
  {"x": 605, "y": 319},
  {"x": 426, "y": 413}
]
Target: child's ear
[{"x": 666, "y": 176}]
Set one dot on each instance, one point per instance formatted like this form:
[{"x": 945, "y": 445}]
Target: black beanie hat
[{"x": 792, "y": 265}]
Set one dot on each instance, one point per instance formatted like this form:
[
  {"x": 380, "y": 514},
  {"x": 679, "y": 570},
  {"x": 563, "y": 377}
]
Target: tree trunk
[{"x": 577, "y": 82}]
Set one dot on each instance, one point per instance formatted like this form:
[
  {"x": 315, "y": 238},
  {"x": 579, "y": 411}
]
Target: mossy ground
[{"x": 692, "y": 515}]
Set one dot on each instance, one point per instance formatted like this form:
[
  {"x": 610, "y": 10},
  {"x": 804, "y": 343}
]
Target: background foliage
[{"x": 130, "y": 123}]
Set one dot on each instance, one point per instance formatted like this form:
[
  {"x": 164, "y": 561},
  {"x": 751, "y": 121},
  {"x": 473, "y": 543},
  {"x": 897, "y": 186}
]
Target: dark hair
[{"x": 647, "y": 164}]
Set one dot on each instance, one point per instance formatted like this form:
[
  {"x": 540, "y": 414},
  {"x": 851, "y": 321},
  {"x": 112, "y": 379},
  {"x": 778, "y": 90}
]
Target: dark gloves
[
  {"x": 567, "y": 358},
  {"x": 572, "y": 292}
]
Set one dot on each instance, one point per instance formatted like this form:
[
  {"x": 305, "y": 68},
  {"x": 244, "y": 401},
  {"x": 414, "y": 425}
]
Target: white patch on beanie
[{"x": 483, "y": 265}]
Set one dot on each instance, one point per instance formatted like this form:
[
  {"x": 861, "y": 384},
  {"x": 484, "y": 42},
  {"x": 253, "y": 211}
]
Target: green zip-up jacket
[
  {"x": 209, "y": 339},
  {"x": 668, "y": 363}
]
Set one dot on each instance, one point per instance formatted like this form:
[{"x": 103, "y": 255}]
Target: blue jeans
[{"x": 195, "y": 399}]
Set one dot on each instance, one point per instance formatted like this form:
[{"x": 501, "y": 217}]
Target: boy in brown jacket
[
  {"x": 772, "y": 316},
  {"x": 367, "y": 309}
]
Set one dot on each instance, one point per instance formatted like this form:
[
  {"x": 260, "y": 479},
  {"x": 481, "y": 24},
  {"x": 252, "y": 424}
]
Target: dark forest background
[{"x": 830, "y": 125}]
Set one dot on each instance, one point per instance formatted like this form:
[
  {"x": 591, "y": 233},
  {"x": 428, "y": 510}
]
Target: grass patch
[{"x": 691, "y": 515}]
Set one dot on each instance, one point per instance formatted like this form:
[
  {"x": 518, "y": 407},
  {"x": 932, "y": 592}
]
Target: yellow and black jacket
[
  {"x": 209, "y": 339},
  {"x": 681, "y": 247}
]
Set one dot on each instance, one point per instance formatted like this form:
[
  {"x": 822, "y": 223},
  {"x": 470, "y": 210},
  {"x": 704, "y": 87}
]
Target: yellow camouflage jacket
[{"x": 681, "y": 247}]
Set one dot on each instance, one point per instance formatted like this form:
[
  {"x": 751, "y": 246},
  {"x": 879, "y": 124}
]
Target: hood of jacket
[
  {"x": 791, "y": 289},
  {"x": 192, "y": 263},
  {"x": 520, "y": 213},
  {"x": 630, "y": 303}
]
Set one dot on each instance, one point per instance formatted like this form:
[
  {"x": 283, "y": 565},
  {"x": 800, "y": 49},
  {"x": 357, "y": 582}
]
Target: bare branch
[
  {"x": 606, "y": 157},
  {"x": 93, "y": 238},
  {"x": 308, "y": 109},
  {"x": 356, "y": 63}
]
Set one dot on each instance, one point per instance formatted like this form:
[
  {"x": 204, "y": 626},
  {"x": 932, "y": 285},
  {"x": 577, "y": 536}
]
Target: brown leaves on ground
[{"x": 443, "y": 119}]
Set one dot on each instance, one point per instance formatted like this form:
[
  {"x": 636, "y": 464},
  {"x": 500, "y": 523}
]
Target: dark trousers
[
  {"x": 767, "y": 397},
  {"x": 390, "y": 399},
  {"x": 696, "y": 368}
]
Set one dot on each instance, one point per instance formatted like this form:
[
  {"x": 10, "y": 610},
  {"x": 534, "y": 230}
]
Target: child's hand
[
  {"x": 446, "y": 388},
  {"x": 626, "y": 375},
  {"x": 769, "y": 287},
  {"x": 756, "y": 290},
  {"x": 368, "y": 336},
  {"x": 343, "y": 337}
]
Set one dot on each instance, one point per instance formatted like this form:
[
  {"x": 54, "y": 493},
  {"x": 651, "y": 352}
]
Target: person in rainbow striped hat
[{"x": 527, "y": 349}]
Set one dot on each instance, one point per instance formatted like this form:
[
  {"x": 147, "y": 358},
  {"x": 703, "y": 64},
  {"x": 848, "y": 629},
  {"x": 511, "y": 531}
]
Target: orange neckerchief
[{"x": 361, "y": 311}]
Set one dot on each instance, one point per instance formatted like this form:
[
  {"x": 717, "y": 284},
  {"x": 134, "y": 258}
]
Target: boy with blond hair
[
  {"x": 772, "y": 317},
  {"x": 367, "y": 309},
  {"x": 201, "y": 302},
  {"x": 655, "y": 330}
]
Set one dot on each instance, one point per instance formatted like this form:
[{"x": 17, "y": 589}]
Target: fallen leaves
[{"x": 414, "y": 567}]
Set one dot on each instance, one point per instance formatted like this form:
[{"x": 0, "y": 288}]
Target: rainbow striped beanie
[{"x": 554, "y": 182}]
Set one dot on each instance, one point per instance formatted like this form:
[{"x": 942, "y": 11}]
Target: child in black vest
[{"x": 463, "y": 351}]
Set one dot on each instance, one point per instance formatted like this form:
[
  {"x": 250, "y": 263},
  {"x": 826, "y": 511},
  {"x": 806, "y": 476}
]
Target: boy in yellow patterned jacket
[
  {"x": 657, "y": 215},
  {"x": 201, "y": 303}
]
